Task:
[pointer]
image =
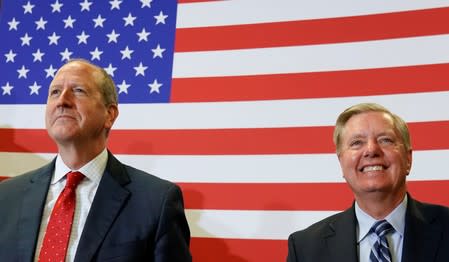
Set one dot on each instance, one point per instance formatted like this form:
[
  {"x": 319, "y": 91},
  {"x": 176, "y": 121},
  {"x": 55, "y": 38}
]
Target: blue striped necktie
[{"x": 380, "y": 250}]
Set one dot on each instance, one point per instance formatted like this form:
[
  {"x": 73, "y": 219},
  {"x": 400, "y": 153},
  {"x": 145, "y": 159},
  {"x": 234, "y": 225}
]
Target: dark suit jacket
[
  {"x": 426, "y": 236},
  {"x": 134, "y": 217}
]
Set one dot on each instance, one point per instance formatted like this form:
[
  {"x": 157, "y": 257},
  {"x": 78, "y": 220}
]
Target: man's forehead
[
  {"x": 77, "y": 65},
  {"x": 79, "y": 69},
  {"x": 354, "y": 124}
]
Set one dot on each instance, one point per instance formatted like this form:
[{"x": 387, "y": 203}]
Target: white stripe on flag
[
  {"x": 250, "y": 224},
  {"x": 314, "y": 58},
  {"x": 261, "y": 11},
  {"x": 282, "y": 113},
  {"x": 304, "y": 168}
]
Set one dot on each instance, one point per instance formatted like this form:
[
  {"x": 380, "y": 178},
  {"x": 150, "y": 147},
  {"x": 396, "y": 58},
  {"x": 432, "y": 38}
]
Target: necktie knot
[
  {"x": 381, "y": 228},
  {"x": 73, "y": 179}
]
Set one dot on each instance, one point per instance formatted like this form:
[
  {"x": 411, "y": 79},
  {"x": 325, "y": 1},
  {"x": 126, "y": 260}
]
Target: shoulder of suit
[
  {"x": 137, "y": 175},
  {"x": 430, "y": 211},
  {"x": 324, "y": 226},
  {"x": 25, "y": 178}
]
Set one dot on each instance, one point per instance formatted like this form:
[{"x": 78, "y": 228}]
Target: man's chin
[{"x": 63, "y": 137}]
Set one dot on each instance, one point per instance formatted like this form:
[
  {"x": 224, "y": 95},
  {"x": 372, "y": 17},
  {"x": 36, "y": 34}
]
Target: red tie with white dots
[{"x": 57, "y": 235}]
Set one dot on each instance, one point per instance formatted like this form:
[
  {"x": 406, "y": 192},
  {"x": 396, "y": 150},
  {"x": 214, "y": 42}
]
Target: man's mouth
[
  {"x": 64, "y": 116},
  {"x": 372, "y": 168}
]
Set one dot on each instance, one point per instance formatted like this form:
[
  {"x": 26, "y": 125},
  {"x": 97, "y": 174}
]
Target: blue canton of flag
[{"x": 132, "y": 40}]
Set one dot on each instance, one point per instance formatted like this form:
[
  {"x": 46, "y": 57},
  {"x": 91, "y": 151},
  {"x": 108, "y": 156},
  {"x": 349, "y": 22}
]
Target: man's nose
[
  {"x": 372, "y": 148},
  {"x": 65, "y": 99}
]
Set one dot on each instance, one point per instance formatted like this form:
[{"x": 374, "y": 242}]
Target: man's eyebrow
[
  {"x": 358, "y": 135},
  {"x": 55, "y": 85}
]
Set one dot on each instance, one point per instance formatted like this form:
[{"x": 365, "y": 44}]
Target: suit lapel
[
  {"x": 422, "y": 233},
  {"x": 340, "y": 238},
  {"x": 31, "y": 209},
  {"x": 110, "y": 197}
]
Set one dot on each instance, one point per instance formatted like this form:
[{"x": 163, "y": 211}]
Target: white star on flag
[
  {"x": 50, "y": 71},
  {"x": 53, "y": 39},
  {"x": 146, "y": 3},
  {"x": 129, "y": 20},
  {"x": 85, "y": 5},
  {"x": 99, "y": 21},
  {"x": 66, "y": 54},
  {"x": 123, "y": 87},
  {"x": 154, "y": 87},
  {"x": 26, "y": 39},
  {"x": 140, "y": 70},
  {"x": 23, "y": 72},
  {"x": 28, "y": 8},
  {"x": 112, "y": 37},
  {"x": 157, "y": 52},
  {"x": 96, "y": 54},
  {"x": 38, "y": 55},
  {"x": 160, "y": 18},
  {"x": 115, "y": 4},
  {"x": 13, "y": 24},
  {"x": 110, "y": 70},
  {"x": 143, "y": 35},
  {"x": 35, "y": 88},
  {"x": 40, "y": 24},
  {"x": 69, "y": 22},
  {"x": 7, "y": 89},
  {"x": 56, "y": 7},
  {"x": 126, "y": 53},
  {"x": 82, "y": 38},
  {"x": 10, "y": 56}
]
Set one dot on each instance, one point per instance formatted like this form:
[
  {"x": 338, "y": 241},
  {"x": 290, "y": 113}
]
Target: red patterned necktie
[{"x": 57, "y": 235}]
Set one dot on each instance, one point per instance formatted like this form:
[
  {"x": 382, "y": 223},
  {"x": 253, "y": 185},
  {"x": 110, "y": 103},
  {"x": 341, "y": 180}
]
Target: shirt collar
[
  {"x": 396, "y": 218},
  {"x": 93, "y": 170}
]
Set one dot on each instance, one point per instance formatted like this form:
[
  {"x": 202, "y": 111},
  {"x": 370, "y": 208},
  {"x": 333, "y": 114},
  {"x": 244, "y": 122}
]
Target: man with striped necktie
[{"x": 385, "y": 223}]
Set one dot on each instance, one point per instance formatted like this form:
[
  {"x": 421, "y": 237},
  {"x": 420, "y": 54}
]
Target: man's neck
[
  {"x": 379, "y": 205},
  {"x": 77, "y": 156}
]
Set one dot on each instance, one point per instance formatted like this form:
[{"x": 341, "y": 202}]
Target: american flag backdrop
[{"x": 236, "y": 100}]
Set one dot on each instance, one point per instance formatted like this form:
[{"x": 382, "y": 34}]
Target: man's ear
[
  {"x": 409, "y": 160},
  {"x": 112, "y": 112}
]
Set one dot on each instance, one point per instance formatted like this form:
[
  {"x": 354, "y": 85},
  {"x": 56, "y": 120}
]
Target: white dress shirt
[
  {"x": 365, "y": 239},
  {"x": 85, "y": 193}
]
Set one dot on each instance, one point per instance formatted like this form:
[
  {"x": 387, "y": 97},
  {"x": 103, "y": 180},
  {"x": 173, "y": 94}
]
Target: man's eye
[
  {"x": 79, "y": 91},
  {"x": 386, "y": 141},
  {"x": 54, "y": 92},
  {"x": 355, "y": 143}
]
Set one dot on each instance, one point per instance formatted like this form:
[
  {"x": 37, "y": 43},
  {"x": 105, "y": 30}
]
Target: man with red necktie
[{"x": 86, "y": 205}]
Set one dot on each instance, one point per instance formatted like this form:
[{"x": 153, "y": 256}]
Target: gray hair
[{"x": 399, "y": 124}]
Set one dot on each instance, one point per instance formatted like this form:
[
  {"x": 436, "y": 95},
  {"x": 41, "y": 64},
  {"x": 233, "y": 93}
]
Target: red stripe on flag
[
  {"x": 191, "y": 142},
  {"x": 224, "y": 141},
  {"x": 427, "y": 135},
  {"x": 26, "y": 140},
  {"x": 314, "y": 31},
  {"x": 285, "y": 196},
  {"x": 237, "y": 250},
  {"x": 247, "y": 141},
  {"x": 435, "y": 191},
  {"x": 367, "y": 82},
  {"x": 267, "y": 196}
]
